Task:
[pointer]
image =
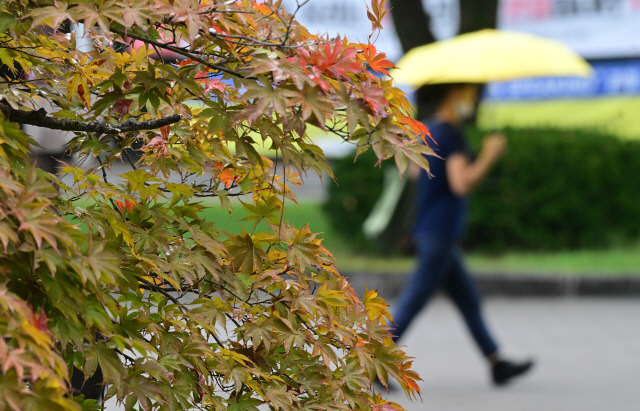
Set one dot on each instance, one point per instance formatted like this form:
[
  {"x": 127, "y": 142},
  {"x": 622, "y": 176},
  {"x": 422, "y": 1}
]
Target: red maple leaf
[
  {"x": 82, "y": 92},
  {"x": 210, "y": 83},
  {"x": 122, "y": 105},
  {"x": 334, "y": 59},
  {"x": 373, "y": 96},
  {"x": 411, "y": 383},
  {"x": 40, "y": 321},
  {"x": 385, "y": 407},
  {"x": 158, "y": 145}
]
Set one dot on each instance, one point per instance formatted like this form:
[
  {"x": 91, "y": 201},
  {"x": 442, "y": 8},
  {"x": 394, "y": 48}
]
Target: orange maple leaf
[
  {"x": 164, "y": 132},
  {"x": 227, "y": 177},
  {"x": 420, "y": 128},
  {"x": 411, "y": 383},
  {"x": 127, "y": 205},
  {"x": 376, "y": 61}
]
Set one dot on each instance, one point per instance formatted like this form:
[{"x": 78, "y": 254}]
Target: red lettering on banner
[{"x": 527, "y": 10}]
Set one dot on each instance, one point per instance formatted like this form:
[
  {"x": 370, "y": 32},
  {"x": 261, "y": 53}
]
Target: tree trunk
[
  {"x": 412, "y": 23},
  {"x": 477, "y": 15}
]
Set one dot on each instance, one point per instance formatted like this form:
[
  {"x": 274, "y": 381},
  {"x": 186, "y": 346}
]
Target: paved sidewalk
[
  {"x": 389, "y": 285},
  {"x": 587, "y": 352}
]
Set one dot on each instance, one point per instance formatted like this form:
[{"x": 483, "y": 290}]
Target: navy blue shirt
[{"x": 439, "y": 211}]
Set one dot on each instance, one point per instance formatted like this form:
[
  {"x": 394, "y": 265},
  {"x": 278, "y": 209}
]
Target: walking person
[{"x": 440, "y": 222}]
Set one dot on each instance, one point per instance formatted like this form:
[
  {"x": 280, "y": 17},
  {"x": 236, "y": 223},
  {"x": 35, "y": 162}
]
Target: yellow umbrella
[{"x": 488, "y": 55}]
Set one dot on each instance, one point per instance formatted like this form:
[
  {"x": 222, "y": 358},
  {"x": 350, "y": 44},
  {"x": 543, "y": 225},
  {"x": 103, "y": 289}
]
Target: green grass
[
  {"x": 619, "y": 261},
  {"x": 298, "y": 215},
  {"x": 623, "y": 260}
]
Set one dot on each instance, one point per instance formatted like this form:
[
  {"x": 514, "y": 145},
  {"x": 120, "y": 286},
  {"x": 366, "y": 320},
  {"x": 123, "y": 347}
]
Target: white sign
[
  {"x": 346, "y": 18},
  {"x": 593, "y": 28}
]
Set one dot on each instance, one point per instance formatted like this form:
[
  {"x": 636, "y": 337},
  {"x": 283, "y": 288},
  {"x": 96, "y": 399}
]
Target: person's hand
[{"x": 494, "y": 145}]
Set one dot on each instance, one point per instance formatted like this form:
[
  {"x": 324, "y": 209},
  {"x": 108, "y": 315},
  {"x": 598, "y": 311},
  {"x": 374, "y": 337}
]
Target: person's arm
[{"x": 463, "y": 174}]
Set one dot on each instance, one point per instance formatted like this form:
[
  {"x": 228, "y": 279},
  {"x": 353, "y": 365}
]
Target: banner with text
[
  {"x": 596, "y": 29},
  {"x": 611, "y": 78}
]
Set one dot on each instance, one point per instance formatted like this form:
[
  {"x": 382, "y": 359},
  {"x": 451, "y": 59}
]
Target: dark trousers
[{"x": 440, "y": 266}]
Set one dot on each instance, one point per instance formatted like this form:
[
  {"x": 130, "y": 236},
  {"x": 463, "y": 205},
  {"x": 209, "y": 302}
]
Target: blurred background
[
  {"x": 565, "y": 199},
  {"x": 554, "y": 231}
]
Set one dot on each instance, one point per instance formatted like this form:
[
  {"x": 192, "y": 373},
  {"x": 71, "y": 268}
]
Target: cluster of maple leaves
[{"x": 126, "y": 271}]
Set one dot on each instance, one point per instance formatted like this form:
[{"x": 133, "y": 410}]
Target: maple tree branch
[
  {"x": 22, "y": 50},
  {"x": 179, "y": 51},
  {"x": 129, "y": 159},
  {"x": 127, "y": 357},
  {"x": 250, "y": 41},
  {"x": 39, "y": 118},
  {"x": 293, "y": 17},
  {"x": 23, "y": 81},
  {"x": 164, "y": 290},
  {"x": 228, "y": 11}
]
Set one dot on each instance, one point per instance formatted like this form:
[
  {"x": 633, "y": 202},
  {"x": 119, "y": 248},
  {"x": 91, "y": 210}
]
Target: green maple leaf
[
  {"x": 303, "y": 249},
  {"x": 43, "y": 226},
  {"x": 247, "y": 254},
  {"x": 51, "y": 15},
  {"x": 7, "y": 235},
  {"x": 98, "y": 266},
  {"x": 245, "y": 403},
  {"x": 269, "y": 210}
]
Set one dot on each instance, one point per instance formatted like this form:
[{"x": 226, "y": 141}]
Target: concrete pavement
[
  {"x": 389, "y": 285},
  {"x": 587, "y": 352}
]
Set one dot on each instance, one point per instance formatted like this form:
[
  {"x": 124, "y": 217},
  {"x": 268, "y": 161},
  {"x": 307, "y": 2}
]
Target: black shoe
[{"x": 503, "y": 371}]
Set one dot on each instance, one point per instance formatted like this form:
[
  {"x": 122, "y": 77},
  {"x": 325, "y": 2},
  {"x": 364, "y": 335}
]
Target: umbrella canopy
[{"x": 488, "y": 55}]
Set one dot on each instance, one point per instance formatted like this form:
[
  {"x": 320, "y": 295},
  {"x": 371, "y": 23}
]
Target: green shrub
[
  {"x": 352, "y": 196},
  {"x": 555, "y": 189}
]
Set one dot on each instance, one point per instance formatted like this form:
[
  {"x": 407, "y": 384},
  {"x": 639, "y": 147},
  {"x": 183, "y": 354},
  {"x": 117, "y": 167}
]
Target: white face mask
[{"x": 464, "y": 109}]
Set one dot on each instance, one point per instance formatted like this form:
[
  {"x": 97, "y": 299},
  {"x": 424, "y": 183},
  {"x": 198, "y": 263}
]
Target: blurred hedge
[
  {"x": 350, "y": 200},
  {"x": 558, "y": 189},
  {"x": 555, "y": 189}
]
